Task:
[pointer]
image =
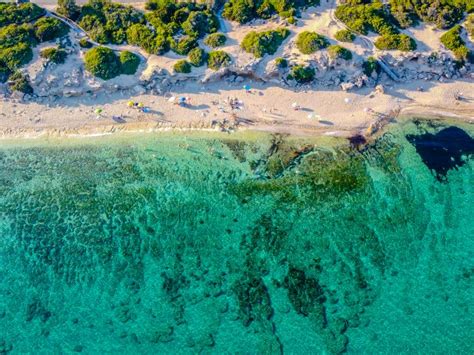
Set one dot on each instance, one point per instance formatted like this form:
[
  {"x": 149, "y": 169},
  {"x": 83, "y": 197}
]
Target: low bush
[
  {"x": 309, "y": 42},
  {"x": 84, "y": 43},
  {"x": 399, "y": 42},
  {"x": 218, "y": 59},
  {"x": 49, "y": 28},
  {"x": 197, "y": 56},
  {"x": 338, "y": 52},
  {"x": 182, "y": 66},
  {"x": 198, "y": 23},
  {"x": 281, "y": 62},
  {"x": 183, "y": 45},
  {"x": 453, "y": 41},
  {"x": 102, "y": 63},
  {"x": 142, "y": 36},
  {"x": 266, "y": 42},
  {"x": 345, "y": 36},
  {"x": 20, "y": 82},
  {"x": 55, "y": 55},
  {"x": 371, "y": 65},
  {"x": 301, "y": 74},
  {"x": 129, "y": 62},
  {"x": 215, "y": 40},
  {"x": 16, "y": 56}
]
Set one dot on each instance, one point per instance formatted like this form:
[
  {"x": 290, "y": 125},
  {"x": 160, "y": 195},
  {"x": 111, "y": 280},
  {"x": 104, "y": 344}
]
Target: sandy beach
[{"x": 265, "y": 107}]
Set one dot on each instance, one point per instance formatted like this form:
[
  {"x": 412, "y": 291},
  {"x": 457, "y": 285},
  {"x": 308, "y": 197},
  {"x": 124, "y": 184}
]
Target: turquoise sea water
[{"x": 235, "y": 245}]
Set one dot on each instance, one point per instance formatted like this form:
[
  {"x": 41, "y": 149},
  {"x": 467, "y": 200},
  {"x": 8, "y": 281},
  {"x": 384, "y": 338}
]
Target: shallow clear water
[{"x": 174, "y": 244}]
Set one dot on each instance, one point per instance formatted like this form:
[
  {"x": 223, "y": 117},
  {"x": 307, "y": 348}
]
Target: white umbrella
[{"x": 172, "y": 99}]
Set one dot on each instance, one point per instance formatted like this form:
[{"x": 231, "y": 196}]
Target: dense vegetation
[
  {"x": 197, "y": 56},
  {"x": 345, "y": 36},
  {"x": 18, "y": 36},
  {"x": 266, "y": 42},
  {"x": 218, "y": 59},
  {"x": 106, "y": 22},
  {"x": 182, "y": 66},
  {"x": 309, "y": 42},
  {"x": 338, "y": 52},
  {"x": 453, "y": 41},
  {"x": 301, "y": 74},
  {"x": 10, "y": 13},
  {"x": 215, "y": 40},
  {"x": 244, "y": 11},
  {"x": 400, "y": 42},
  {"x": 444, "y": 14},
  {"x": 55, "y": 55}
]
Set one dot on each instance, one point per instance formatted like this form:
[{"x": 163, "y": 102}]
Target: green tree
[
  {"x": 309, "y": 42},
  {"x": 102, "y": 63},
  {"x": 218, "y": 59},
  {"x": 182, "y": 66},
  {"x": 69, "y": 9},
  {"x": 265, "y": 42},
  {"x": 197, "y": 56},
  {"x": 129, "y": 62}
]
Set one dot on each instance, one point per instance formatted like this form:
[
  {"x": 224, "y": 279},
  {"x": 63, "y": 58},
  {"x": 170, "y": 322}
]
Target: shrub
[
  {"x": 21, "y": 83},
  {"x": 55, "y": 55},
  {"x": 129, "y": 62},
  {"x": 218, "y": 59},
  {"x": 48, "y": 28},
  {"x": 68, "y": 8},
  {"x": 345, "y": 36},
  {"x": 16, "y": 56},
  {"x": 309, "y": 42},
  {"x": 197, "y": 56},
  {"x": 336, "y": 52},
  {"x": 281, "y": 62},
  {"x": 371, "y": 65},
  {"x": 301, "y": 74},
  {"x": 102, "y": 63},
  {"x": 453, "y": 41},
  {"x": 183, "y": 45},
  {"x": 84, "y": 43},
  {"x": 215, "y": 40},
  {"x": 396, "y": 41},
  {"x": 4, "y": 73},
  {"x": 182, "y": 66},
  {"x": 266, "y": 42}
]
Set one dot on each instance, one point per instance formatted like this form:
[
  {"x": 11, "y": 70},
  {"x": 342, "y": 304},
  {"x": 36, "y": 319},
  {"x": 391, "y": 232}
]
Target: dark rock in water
[{"x": 444, "y": 150}]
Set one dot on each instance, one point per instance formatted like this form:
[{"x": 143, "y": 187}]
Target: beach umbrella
[
  {"x": 98, "y": 111},
  {"x": 347, "y": 100},
  {"x": 146, "y": 109},
  {"x": 172, "y": 99},
  {"x": 311, "y": 116},
  {"x": 246, "y": 87},
  {"x": 182, "y": 99},
  {"x": 130, "y": 104},
  {"x": 140, "y": 105}
]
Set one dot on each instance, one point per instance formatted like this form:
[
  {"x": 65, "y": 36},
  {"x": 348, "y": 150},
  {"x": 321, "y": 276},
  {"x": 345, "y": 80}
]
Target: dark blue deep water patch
[{"x": 448, "y": 149}]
